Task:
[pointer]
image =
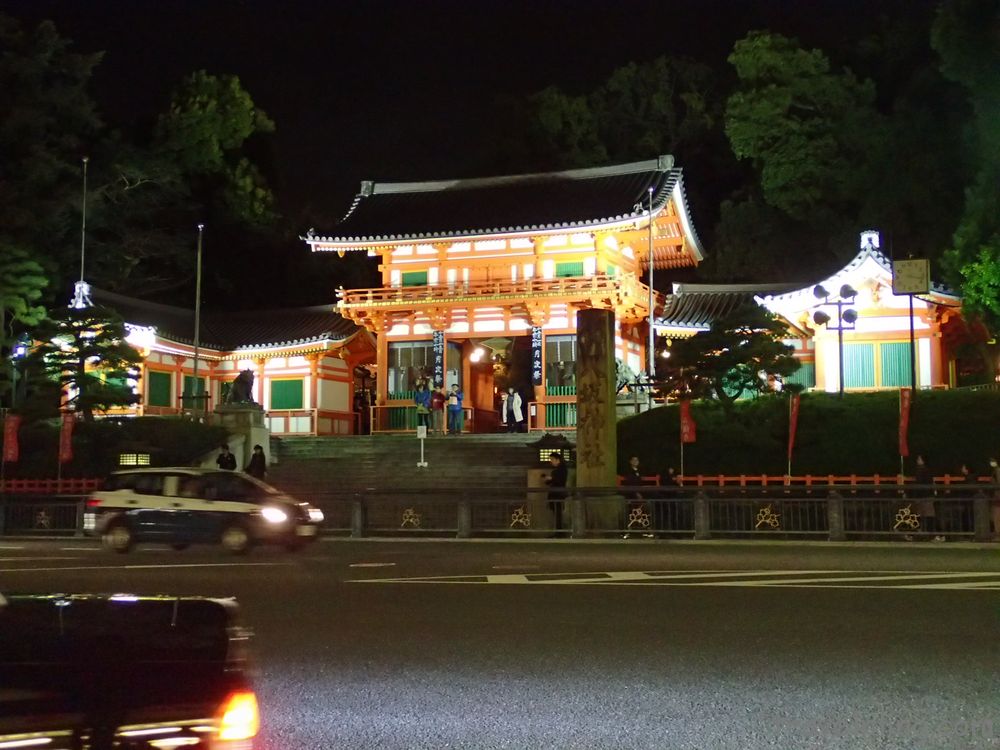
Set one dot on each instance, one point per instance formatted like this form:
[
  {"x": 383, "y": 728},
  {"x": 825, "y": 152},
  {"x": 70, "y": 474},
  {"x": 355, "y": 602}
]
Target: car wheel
[
  {"x": 236, "y": 539},
  {"x": 118, "y": 537},
  {"x": 180, "y": 546}
]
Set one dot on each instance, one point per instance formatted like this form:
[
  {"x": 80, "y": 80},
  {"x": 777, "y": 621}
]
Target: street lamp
[{"x": 845, "y": 320}]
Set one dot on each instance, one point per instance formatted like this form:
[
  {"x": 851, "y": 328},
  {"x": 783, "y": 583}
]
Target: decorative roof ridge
[
  {"x": 695, "y": 288},
  {"x": 663, "y": 163}
]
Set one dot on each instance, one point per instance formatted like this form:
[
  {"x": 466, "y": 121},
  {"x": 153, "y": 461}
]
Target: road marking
[
  {"x": 139, "y": 567},
  {"x": 516, "y": 567},
  {"x": 11, "y": 546},
  {"x": 79, "y": 549},
  {"x": 373, "y": 565},
  {"x": 910, "y": 580},
  {"x": 48, "y": 557}
]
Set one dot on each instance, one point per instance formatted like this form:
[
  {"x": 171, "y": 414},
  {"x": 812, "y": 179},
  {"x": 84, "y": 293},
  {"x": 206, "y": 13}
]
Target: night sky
[{"x": 401, "y": 90}]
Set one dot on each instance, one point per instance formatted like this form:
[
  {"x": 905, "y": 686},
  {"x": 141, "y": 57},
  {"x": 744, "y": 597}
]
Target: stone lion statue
[{"x": 241, "y": 390}]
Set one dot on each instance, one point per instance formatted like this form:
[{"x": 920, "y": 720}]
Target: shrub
[{"x": 856, "y": 434}]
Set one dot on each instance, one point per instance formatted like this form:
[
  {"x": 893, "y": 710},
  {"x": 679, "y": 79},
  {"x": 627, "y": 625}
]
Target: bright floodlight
[
  {"x": 850, "y": 316},
  {"x": 819, "y": 292},
  {"x": 821, "y": 318},
  {"x": 847, "y": 291}
]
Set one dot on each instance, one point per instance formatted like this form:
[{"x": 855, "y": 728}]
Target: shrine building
[
  {"x": 305, "y": 362},
  {"x": 484, "y": 277}
]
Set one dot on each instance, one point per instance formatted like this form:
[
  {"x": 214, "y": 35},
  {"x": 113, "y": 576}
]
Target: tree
[
  {"x": 22, "y": 281},
  {"x": 733, "y": 357},
  {"x": 641, "y": 110},
  {"x": 47, "y": 121},
  {"x": 965, "y": 36},
  {"x": 808, "y": 131},
  {"x": 209, "y": 121},
  {"x": 85, "y": 352}
]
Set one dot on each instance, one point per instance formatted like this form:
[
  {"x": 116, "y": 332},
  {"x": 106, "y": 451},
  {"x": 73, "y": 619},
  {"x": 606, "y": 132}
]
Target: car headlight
[
  {"x": 315, "y": 515},
  {"x": 274, "y": 515}
]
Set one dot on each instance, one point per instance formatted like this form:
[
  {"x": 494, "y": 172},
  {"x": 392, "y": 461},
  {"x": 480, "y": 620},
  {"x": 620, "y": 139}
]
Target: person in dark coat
[
  {"x": 226, "y": 460},
  {"x": 258, "y": 463},
  {"x": 557, "y": 484},
  {"x": 924, "y": 478}
]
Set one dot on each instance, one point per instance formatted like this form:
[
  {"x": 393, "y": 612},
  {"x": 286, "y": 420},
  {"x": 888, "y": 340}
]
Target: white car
[{"x": 181, "y": 506}]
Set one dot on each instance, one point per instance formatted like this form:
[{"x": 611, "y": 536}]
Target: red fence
[
  {"x": 808, "y": 480},
  {"x": 49, "y": 486}
]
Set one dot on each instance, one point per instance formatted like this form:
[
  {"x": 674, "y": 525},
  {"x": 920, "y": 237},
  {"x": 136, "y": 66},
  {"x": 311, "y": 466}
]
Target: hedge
[
  {"x": 856, "y": 434},
  {"x": 97, "y": 445}
]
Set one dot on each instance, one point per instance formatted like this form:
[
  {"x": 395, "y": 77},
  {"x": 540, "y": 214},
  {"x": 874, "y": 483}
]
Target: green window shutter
[
  {"x": 158, "y": 388},
  {"x": 859, "y": 365},
  {"x": 189, "y": 390},
  {"x": 612, "y": 270},
  {"x": 804, "y": 376},
  {"x": 415, "y": 278},
  {"x": 895, "y": 364},
  {"x": 569, "y": 269},
  {"x": 286, "y": 394}
]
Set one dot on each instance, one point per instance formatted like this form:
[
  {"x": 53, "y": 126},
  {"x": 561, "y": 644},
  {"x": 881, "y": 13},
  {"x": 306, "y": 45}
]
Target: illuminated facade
[
  {"x": 304, "y": 362},
  {"x": 480, "y": 270},
  {"x": 876, "y": 346}
]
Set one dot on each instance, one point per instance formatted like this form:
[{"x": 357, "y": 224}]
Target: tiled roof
[
  {"x": 573, "y": 199},
  {"x": 226, "y": 331},
  {"x": 697, "y": 306}
]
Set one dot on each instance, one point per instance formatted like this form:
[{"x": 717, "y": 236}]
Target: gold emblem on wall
[{"x": 410, "y": 519}]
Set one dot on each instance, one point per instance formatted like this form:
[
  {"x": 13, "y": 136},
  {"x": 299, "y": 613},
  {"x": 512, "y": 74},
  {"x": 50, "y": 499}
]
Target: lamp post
[
  {"x": 198, "y": 396},
  {"x": 652, "y": 301},
  {"x": 845, "y": 320}
]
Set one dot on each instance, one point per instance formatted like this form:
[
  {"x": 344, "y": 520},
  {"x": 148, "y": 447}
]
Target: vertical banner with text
[
  {"x": 905, "y": 399},
  {"x": 689, "y": 430},
  {"x": 536, "y": 355},
  {"x": 793, "y": 424},
  {"x": 438, "y": 347},
  {"x": 11, "y": 450},
  {"x": 66, "y": 437}
]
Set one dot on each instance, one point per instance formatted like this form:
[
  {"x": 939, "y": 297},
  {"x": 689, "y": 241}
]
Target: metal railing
[
  {"x": 833, "y": 512},
  {"x": 42, "y": 516},
  {"x": 625, "y": 285}
]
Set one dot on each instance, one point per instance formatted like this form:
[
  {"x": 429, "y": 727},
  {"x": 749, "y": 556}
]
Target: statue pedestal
[
  {"x": 237, "y": 417},
  {"x": 245, "y": 420}
]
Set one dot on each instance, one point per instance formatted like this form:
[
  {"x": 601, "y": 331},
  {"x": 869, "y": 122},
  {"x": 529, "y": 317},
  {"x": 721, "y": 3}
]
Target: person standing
[
  {"x": 511, "y": 415},
  {"x": 633, "y": 479},
  {"x": 438, "y": 400},
  {"x": 226, "y": 460},
  {"x": 258, "y": 463},
  {"x": 995, "y": 505},
  {"x": 557, "y": 487},
  {"x": 456, "y": 417},
  {"x": 422, "y": 398},
  {"x": 925, "y": 505}
]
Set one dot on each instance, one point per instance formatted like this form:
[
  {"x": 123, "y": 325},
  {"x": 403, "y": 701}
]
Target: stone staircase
[{"x": 324, "y": 468}]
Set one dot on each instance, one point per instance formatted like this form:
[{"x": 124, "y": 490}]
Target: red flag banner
[
  {"x": 689, "y": 430},
  {"x": 793, "y": 423},
  {"x": 66, "y": 437},
  {"x": 905, "y": 398},
  {"x": 11, "y": 450}
]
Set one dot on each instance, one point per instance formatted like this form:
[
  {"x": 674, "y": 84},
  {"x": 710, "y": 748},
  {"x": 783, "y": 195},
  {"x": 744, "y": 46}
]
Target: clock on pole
[{"x": 911, "y": 276}]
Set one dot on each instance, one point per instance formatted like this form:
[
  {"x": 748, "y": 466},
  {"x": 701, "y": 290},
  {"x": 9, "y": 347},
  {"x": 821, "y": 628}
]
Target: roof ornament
[
  {"x": 367, "y": 187},
  {"x": 311, "y": 232}
]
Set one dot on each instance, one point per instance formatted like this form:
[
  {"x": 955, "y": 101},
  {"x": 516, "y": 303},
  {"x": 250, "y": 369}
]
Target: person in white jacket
[{"x": 510, "y": 410}]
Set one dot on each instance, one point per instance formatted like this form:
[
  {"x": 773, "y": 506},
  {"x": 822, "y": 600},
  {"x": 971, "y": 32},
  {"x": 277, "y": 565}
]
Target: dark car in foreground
[
  {"x": 183, "y": 506},
  {"x": 96, "y": 672}
]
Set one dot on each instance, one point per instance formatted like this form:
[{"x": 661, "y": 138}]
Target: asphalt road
[{"x": 395, "y": 644}]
